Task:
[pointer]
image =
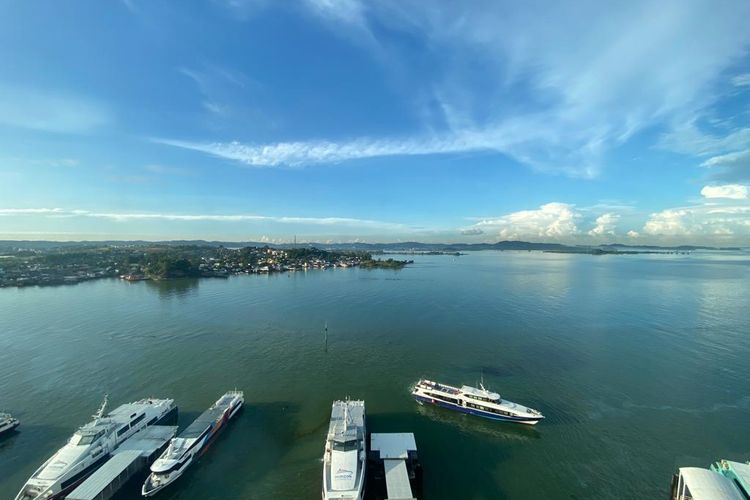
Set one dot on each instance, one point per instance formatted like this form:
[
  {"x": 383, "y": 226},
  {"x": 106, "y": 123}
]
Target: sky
[{"x": 581, "y": 122}]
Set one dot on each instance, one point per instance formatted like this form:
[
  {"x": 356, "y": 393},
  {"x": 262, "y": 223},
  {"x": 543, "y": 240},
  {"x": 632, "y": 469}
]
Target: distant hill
[{"x": 412, "y": 246}]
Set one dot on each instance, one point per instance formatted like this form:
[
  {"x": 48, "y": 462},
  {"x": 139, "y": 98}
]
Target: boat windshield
[
  {"x": 350, "y": 445},
  {"x": 79, "y": 439}
]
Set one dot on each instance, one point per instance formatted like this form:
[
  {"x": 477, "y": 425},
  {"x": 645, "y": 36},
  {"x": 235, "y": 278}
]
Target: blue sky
[{"x": 348, "y": 120}]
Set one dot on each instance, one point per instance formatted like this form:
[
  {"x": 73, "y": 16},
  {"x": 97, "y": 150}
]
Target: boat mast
[{"x": 100, "y": 412}]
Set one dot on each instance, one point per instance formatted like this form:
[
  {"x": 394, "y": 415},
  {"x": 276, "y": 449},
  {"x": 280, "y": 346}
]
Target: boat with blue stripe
[{"x": 474, "y": 401}]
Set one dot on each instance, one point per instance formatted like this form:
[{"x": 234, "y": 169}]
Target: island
[{"x": 39, "y": 265}]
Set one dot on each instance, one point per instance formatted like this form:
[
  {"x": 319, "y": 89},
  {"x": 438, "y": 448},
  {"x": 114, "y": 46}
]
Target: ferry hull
[{"x": 479, "y": 413}]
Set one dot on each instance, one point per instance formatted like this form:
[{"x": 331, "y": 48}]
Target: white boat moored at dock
[
  {"x": 92, "y": 445},
  {"x": 475, "y": 401},
  {"x": 183, "y": 449},
  {"x": 345, "y": 456}
]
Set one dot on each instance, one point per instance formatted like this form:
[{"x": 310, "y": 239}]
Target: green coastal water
[{"x": 639, "y": 362}]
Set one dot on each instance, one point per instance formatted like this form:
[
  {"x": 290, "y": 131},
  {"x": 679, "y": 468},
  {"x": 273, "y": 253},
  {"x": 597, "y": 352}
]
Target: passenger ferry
[
  {"x": 91, "y": 446},
  {"x": 345, "y": 456},
  {"x": 694, "y": 483},
  {"x": 7, "y": 423},
  {"x": 475, "y": 401},
  {"x": 183, "y": 449}
]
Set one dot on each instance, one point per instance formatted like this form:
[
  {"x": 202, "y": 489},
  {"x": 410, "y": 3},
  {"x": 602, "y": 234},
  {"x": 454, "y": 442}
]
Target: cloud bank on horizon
[{"x": 388, "y": 120}]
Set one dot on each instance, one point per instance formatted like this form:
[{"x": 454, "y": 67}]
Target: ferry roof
[
  {"x": 128, "y": 409},
  {"x": 742, "y": 471},
  {"x": 709, "y": 485},
  {"x": 206, "y": 418},
  {"x": 355, "y": 414},
  {"x": 479, "y": 392}
]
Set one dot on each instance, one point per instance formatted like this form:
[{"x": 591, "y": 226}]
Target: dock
[
  {"x": 131, "y": 457},
  {"x": 394, "y": 471}
]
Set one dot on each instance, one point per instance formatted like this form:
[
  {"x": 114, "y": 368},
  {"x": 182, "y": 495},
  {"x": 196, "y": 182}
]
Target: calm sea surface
[{"x": 639, "y": 362}]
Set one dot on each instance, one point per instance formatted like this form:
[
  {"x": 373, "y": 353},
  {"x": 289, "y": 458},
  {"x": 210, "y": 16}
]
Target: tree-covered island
[{"x": 56, "y": 265}]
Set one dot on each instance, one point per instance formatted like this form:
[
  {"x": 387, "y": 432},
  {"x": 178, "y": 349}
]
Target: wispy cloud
[
  {"x": 143, "y": 216},
  {"x": 730, "y": 167},
  {"x": 742, "y": 80},
  {"x": 51, "y": 111},
  {"x": 316, "y": 152}
]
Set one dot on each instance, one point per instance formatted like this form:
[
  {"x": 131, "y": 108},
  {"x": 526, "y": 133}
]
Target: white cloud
[
  {"x": 633, "y": 234},
  {"x": 550, "y": 221},
  {"x": 473, "y": 231},
  {"x": 577, "y": 67},
  {"x": 605, "y": 225},
  {"x": 50, "y": 111},
  {"x": 317, "y": 152},
  {"x": 742, "y": 80},
  {"x": 130, "y": 216},
  {"x": 729, "y": 191},
  {"x": 706, "y": 221},
  {"x": 730, "y": 167},
  {"x": 30, "y": 211}
]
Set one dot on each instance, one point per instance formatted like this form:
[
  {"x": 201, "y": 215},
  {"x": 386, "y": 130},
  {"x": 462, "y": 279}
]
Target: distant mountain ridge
[{"x": 411, "y": 246}]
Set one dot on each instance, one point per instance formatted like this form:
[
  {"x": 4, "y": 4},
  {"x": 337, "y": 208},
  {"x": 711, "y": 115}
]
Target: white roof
[
  {"x": 393, "y": 445},
  {"x": 107, "y": 473},
  {"x": 479, "y": 392},
  {"x": 709, "y": 485},
  {"x": 742, "y": 470},
  {"x": 397, "y": 480},
  {"x": 148, "y": 440}
]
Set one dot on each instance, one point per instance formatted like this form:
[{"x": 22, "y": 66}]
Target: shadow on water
[
  {"x": 166, "y": 289},
  {"x": 7, "y": 438},
  {"x": 469, "y": 478},
  {"x": 469, "y": 424}
]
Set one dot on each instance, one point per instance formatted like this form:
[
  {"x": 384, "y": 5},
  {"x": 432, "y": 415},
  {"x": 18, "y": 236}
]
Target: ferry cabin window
[
  {"x": 143, "y": 415},
  {"x": 350, "y": 445},
  {"x": 122, "y": 430},
  {"x": 80, "y": 440}
]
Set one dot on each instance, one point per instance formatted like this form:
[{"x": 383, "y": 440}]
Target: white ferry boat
[
  {"x": 91, "y": 446},
  {"x": 345, "y": 457},
  {"x": 183, "y": 449},
  {"x": 7, "y": 423},
  {"x": 694, "y": 483},
  {"x": 476, "y": 401}
]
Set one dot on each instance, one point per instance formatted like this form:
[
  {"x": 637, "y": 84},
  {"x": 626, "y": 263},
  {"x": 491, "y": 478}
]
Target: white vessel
[
  {"x": 91, "y": 446},
  {"x": 475, "y": 401},
  {"x": 184, "y": 448},
  {"x": 345, "y": 456},
  {"x": 7, "y": 423},
  {"x": 694, "y": 483}
]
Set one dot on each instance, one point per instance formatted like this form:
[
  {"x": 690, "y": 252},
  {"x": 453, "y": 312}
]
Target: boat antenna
[{"x": 100, "y": 412}]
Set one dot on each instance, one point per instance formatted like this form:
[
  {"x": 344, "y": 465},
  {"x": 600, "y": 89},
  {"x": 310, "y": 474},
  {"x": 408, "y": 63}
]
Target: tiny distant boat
[
  {"x": 7, "y": 423},
  {"x": 345, "y": 457},
  {"x": 183, "y": 449},
  {"x": 475, "y": 401},
  {"x": 92, "y": 445}
]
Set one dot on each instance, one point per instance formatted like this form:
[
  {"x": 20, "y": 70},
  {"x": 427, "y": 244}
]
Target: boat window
[
  {"x": 83, "y": 440},
  {"x": 122, "y": 430},
  {"x": 346, "y": 445},
  {"x": 143, "y": 415}
]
